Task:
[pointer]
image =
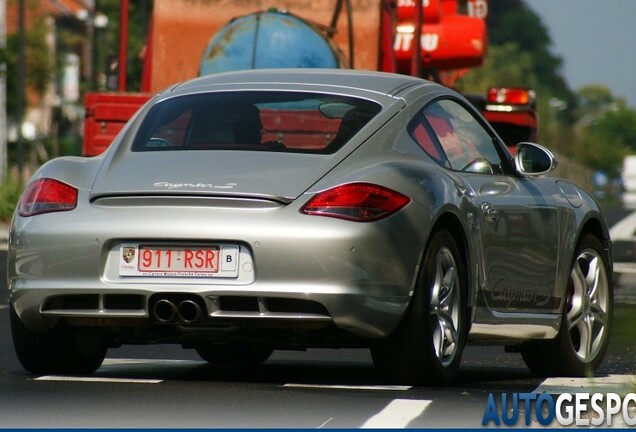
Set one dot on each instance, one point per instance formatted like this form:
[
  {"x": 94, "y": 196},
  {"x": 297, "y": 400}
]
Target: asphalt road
[{"x": 168, "y": 387}]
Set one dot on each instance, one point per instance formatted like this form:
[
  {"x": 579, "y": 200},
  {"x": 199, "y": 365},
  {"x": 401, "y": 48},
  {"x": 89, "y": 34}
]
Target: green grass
[
  {"x": 624, "y": 325},
  {"x": 623, "y": 335}
]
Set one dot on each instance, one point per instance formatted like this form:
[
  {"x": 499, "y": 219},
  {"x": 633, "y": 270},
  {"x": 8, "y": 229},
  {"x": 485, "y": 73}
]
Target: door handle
[{"x": 489, "y": 212}]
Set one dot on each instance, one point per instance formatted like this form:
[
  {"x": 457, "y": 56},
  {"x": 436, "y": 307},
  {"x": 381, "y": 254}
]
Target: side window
[
  {"x": 466, "y": 144},
  {"x": 421, "y": 136}
]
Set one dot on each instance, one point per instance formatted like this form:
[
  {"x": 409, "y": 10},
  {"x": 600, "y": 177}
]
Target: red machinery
[{"x": 439, "y": 40}]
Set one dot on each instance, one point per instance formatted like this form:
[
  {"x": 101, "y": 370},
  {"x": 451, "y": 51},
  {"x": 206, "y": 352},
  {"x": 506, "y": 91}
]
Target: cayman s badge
[
  {"x": 171, "y": 186},
  {"x": 128, "y": 254}
]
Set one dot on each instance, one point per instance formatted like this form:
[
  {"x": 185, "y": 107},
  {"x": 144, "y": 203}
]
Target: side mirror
[{"x": 533, "y": 160}]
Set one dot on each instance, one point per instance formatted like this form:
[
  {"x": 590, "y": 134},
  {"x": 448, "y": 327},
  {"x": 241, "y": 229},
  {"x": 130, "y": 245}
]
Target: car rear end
[{"x": 175, "y": 236}]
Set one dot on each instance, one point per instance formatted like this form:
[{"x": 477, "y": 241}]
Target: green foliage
[
  {"x": 10, "y": 191},
  {"x": 595, "y": 98},
  {"x": 607, "y": 140},
  {"x": 38, "y": 62},
  {"x": 606, "y": 129},
  {"x": 506, "y": 65}
]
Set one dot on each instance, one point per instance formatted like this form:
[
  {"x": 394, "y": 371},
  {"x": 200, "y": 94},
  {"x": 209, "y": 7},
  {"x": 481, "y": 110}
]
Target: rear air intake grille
[
  {"x": 270, "y": 304},
  {"x": 123, "y": 301},
  {"x": 90, "y": 302},
  {"x": 72, "y": 302},
  {"x": 295, "y": 306},
  {"x": 238, "y": 304}
]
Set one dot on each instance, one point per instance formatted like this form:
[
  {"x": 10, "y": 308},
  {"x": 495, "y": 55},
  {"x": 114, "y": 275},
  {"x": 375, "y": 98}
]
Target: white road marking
[
  {"x": 625, "y": 267},
  {"x": 621, "y": 384},
  {"x": 348, "y": 387},
  {"x": 397, "y": 414},
  {"x": 4, "y": 306},
  {"x": 97, "y": 379},
  {"x": 325, "y": 423},
  {"x": 130, "y": 361},
  {"x": 625, "y": 229},
  {"x": 108, "y": 365}
]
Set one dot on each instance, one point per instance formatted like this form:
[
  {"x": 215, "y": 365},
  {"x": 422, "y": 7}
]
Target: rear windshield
[{"x": 254, "y": 121}]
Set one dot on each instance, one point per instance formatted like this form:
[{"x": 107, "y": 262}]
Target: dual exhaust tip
[{"x": 184, "y": 311}]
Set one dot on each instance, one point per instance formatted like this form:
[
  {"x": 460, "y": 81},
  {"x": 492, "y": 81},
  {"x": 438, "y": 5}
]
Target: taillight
[
  {"x": 510, "y": 96},
  {"x": 361, "y": 202},
  {"x": 47, "y": 195}
]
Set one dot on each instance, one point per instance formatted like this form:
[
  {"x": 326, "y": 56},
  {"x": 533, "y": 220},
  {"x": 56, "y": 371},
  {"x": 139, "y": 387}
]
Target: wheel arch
[
  {"x": 416, "y": 351},
  {"x": 592, "y": 226},
  {"x": 598, "y": 229},
  {"x": 453, "y": 224}
]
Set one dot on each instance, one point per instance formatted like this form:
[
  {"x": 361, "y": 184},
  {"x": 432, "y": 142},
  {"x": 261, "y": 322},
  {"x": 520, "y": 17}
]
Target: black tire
[
  {"x": 581, "y": 344},
  {"x": 426, "y": 348},
  {"x": 61, "y": 350},
  {"x": 227, "y": 354}
]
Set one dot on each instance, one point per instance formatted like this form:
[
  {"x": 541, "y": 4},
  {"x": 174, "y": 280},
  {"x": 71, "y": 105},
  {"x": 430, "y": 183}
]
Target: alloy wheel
[
  {"x": 588, "y": 304},
  {"x": 445, "y": 304}
]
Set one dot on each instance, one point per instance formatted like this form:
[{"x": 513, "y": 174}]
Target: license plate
[{"x": 178, "y": 260}]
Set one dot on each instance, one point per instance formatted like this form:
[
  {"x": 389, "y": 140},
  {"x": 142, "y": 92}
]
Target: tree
[
  {"x": 595, "y": 99},
  {"x": 605, "y": 141},
  {"x": 506, "y": 65},
  {"x": 38, "y": 63}
]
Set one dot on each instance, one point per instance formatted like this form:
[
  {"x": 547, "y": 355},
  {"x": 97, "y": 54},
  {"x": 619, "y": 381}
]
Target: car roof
[{"x": 345, "y": 79}]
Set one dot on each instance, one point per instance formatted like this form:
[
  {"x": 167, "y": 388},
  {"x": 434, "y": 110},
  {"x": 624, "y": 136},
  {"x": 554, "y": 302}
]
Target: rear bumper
[
  {"x": 296, "y": 270},
  {"x": 288, "y": 306}
]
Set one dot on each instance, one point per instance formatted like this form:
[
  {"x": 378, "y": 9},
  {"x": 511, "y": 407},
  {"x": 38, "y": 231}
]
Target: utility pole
[
  {"x": 3, "y": 93},
  {"x": 21, "y": 82}
]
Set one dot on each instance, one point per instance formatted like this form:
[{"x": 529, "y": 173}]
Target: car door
[{"x": 515, "y": 222}]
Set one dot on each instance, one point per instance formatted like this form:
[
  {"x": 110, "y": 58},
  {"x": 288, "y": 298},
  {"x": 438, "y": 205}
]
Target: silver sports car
[{"x": 246, "y": 212}]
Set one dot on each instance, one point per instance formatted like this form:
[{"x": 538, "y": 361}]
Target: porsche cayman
[{"x": 246, "y": 212}]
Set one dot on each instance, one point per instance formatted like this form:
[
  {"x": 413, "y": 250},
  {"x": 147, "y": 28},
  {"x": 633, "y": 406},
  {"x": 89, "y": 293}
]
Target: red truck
[{"x": 434, "y": 39}]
